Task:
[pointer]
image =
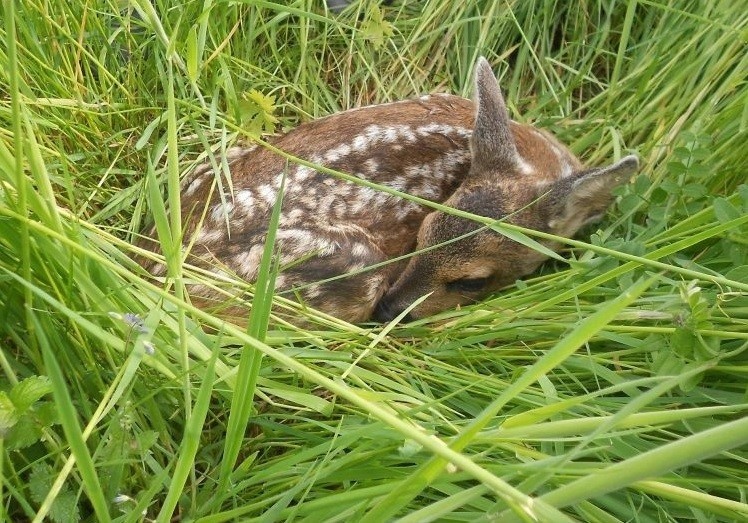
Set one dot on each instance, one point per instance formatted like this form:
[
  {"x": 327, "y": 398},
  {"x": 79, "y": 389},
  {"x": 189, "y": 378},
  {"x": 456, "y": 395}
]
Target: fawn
[{"x": 444, "y": 148}]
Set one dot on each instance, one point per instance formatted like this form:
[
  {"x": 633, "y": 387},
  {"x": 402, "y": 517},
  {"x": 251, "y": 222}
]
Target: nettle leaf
[
  {"x": 376, "y": 29},
  {"x": 40, "y": 481},
  {"x": 46, "y": 414},
  {"x": 30, "y": 390},
  {"x": 8, "y": 414},
  {"x": 257, "y": 112},
  {"x": 20, "y": 423},
  {"x": 65, "y": 505},
  {"x": 25, "y": 433},
  {"x": 65, "y": 508}
]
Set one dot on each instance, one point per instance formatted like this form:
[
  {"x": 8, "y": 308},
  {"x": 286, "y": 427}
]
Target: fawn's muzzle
[{"x": 384, "y": 312}]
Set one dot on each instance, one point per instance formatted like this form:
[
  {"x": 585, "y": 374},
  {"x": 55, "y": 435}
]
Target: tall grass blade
[
  {"x": 653, "y": 463},
  {"x": 251, "y": 359},
  {"x": 73, "y": 433},
  {"x": 190, "y": 443}
]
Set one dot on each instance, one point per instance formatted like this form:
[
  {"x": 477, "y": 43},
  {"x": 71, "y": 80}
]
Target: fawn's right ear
[
  {"x": 583, "y": 198},
  {"x": 492, "y": 144}
]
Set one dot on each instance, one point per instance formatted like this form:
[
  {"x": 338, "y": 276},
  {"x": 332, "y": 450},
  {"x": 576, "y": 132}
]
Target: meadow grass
[{"x": 608, "y": 387}]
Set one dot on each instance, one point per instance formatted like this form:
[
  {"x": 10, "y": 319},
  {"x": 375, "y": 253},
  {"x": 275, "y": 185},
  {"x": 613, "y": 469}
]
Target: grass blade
[
  {"x": 69, "y": 420},
  {"x": 653, "y": 463}
]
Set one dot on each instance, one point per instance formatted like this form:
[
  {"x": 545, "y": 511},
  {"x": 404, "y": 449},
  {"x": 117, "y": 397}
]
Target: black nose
[{"x": 384, "y": 312}]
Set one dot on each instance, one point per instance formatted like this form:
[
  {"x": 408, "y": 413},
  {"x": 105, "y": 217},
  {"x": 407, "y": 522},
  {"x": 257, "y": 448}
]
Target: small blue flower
[
  {"x": 135, "y": 321},
  {"x": 150, "y": 348}
]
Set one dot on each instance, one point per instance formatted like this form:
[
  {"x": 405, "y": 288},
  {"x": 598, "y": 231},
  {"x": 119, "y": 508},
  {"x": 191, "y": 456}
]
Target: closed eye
[{"x": 468, "y": 284}]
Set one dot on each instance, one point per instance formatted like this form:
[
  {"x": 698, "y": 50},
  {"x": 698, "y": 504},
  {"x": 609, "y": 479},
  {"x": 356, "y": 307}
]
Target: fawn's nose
[{"x": 384, "y": 312}]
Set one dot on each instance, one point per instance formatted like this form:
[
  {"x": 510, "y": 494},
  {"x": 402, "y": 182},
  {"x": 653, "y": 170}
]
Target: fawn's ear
[
  {"x": 492, "y": 144},
  {"x": 584, "y": 197}
]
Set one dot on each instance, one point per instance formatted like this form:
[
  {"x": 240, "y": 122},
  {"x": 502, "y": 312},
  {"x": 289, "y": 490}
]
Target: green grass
[{"x": 609, "y": 388}]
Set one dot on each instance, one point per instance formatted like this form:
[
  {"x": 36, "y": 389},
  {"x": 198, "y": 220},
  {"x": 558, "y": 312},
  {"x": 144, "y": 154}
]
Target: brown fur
[{"x": 329, "y": 227}]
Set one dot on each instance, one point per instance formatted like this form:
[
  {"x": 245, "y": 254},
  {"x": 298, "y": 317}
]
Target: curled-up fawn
[{"x": 447, "y": 149}]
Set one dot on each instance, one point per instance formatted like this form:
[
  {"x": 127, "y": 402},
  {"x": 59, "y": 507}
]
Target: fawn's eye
[{"x": 468, "y": 284}]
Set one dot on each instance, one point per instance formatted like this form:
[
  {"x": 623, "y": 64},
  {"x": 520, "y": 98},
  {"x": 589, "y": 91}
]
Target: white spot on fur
[
  {"x": 313, "y": 291},
  {"x": 375, "y": 289},
  {"x": 247, "y": 262},
  {"x": 446, "y": 164},
  {"x": 292, "y": 217},
  {"x": 221, "y": 211},
  {"x": 360, "y": 250},
  {"x": 237, "y": 151},
  {"x": 390, "y": 135},
  {"x": 267, "y": 193},
  {"x": 207, "y": 235},
  {"x": 371, "y": 166},
  {"x": 407, "y": 133},
  {"x": 363, "y": 199},
  {"x": 305, "y": 242},
  {"x": 158, "y": 269},
  {"x": 195, "y": 184},
  {"x": 427, "y": 189},
  {"x": 354, "y": 266},
  {"x": 335, "y": 154},
  {"x": 416, "y": 172},
  {"x": 245, "y": 199},
  {"x": 380, "y": 199},
  {"x": 360, "y": 142},
  {"x": 280, "y": 282},
  {"x": 435, "y": 128},
  {"x": 400, "y": 183},
  {"x": 373, "y": 133},
  {"x": 405, "y": 209},
  {"x": 302, "y": 174}
]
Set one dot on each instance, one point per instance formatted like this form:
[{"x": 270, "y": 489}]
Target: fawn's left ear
[
  {"x": 492, "y": 144},
  {"x": 583, "y": 198}
]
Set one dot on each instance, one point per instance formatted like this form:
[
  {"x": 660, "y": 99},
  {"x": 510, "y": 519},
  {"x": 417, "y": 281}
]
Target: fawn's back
[{"x": 331, "y": 229}]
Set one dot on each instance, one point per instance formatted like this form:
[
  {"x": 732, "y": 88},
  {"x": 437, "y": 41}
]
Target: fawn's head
[{"x": 517, "y": 173}]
